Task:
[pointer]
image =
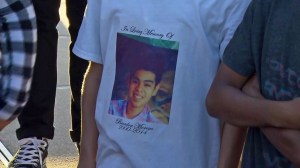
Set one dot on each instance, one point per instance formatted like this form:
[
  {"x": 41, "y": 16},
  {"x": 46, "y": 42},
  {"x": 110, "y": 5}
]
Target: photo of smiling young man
[{"x": 141, "y": 63}]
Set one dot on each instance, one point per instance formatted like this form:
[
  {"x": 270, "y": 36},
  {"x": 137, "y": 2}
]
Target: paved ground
[{"x": 62, "y": 152}]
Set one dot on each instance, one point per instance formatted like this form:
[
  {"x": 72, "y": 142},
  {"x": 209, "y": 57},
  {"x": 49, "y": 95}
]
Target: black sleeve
[{"x": 244, "y": 50}]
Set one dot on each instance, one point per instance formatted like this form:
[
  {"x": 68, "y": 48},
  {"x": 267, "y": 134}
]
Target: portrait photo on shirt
[{"x": 145, "y": 74}]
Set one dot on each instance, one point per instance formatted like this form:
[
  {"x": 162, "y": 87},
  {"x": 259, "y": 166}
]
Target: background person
[
  {"x": 161, "y": 102},
  {"x": 17, "y": 56},
  {"x": 37, "y": 119}
]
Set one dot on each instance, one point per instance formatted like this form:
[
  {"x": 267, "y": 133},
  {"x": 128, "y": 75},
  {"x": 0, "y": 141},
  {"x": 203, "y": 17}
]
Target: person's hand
[
  {"x": 4, "y": 123},
  {"x": 251, "y": 87}
]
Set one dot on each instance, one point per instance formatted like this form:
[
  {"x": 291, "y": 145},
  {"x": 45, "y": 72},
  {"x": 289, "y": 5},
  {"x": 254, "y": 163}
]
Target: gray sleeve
[{"x": 238, "y": 55}]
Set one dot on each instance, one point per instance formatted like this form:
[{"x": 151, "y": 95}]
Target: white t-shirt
[{"x": 187, "y": 37}]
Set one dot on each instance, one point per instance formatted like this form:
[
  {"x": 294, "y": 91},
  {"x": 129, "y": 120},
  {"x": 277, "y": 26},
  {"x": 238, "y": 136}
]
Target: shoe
[{"x": 31, "y": 154}]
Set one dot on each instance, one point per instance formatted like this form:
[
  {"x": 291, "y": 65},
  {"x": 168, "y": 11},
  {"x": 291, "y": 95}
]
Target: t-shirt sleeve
[
  {"x": 234, "y": 15},
  {"x": 87, "y": 45},
  {"x": 237, "y": 54}
]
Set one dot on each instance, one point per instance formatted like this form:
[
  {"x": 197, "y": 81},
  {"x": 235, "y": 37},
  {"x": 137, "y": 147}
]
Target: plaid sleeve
[{"x": 18, "y": 36}]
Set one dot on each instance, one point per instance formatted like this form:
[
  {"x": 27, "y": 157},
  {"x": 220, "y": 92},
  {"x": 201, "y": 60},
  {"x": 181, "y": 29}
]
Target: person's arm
[
  {"x": 226, "y": 101},
  {"x": 231, "y": 146},
  {"x": 88, "y": 148},
  {"x": 286, "y": 141},
  {"x": 17, "y": 28}
]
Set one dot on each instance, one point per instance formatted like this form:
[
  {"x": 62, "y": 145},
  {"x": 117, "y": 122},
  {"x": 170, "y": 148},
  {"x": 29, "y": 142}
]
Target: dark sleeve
[{"x": 237, "y": 54}]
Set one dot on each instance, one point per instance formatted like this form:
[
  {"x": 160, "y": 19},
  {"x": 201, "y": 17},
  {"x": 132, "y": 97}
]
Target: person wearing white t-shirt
[{"x": 190, "y": 35}]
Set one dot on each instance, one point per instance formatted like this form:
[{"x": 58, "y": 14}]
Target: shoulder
[
  {"x": 118, "y": 103},
  {"x": 117, "y": 107},
  {"x": 263, "y": 6}
]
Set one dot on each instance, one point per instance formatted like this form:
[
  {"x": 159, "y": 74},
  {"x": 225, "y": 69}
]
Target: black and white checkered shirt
[{"x": 18, "y": 36}]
